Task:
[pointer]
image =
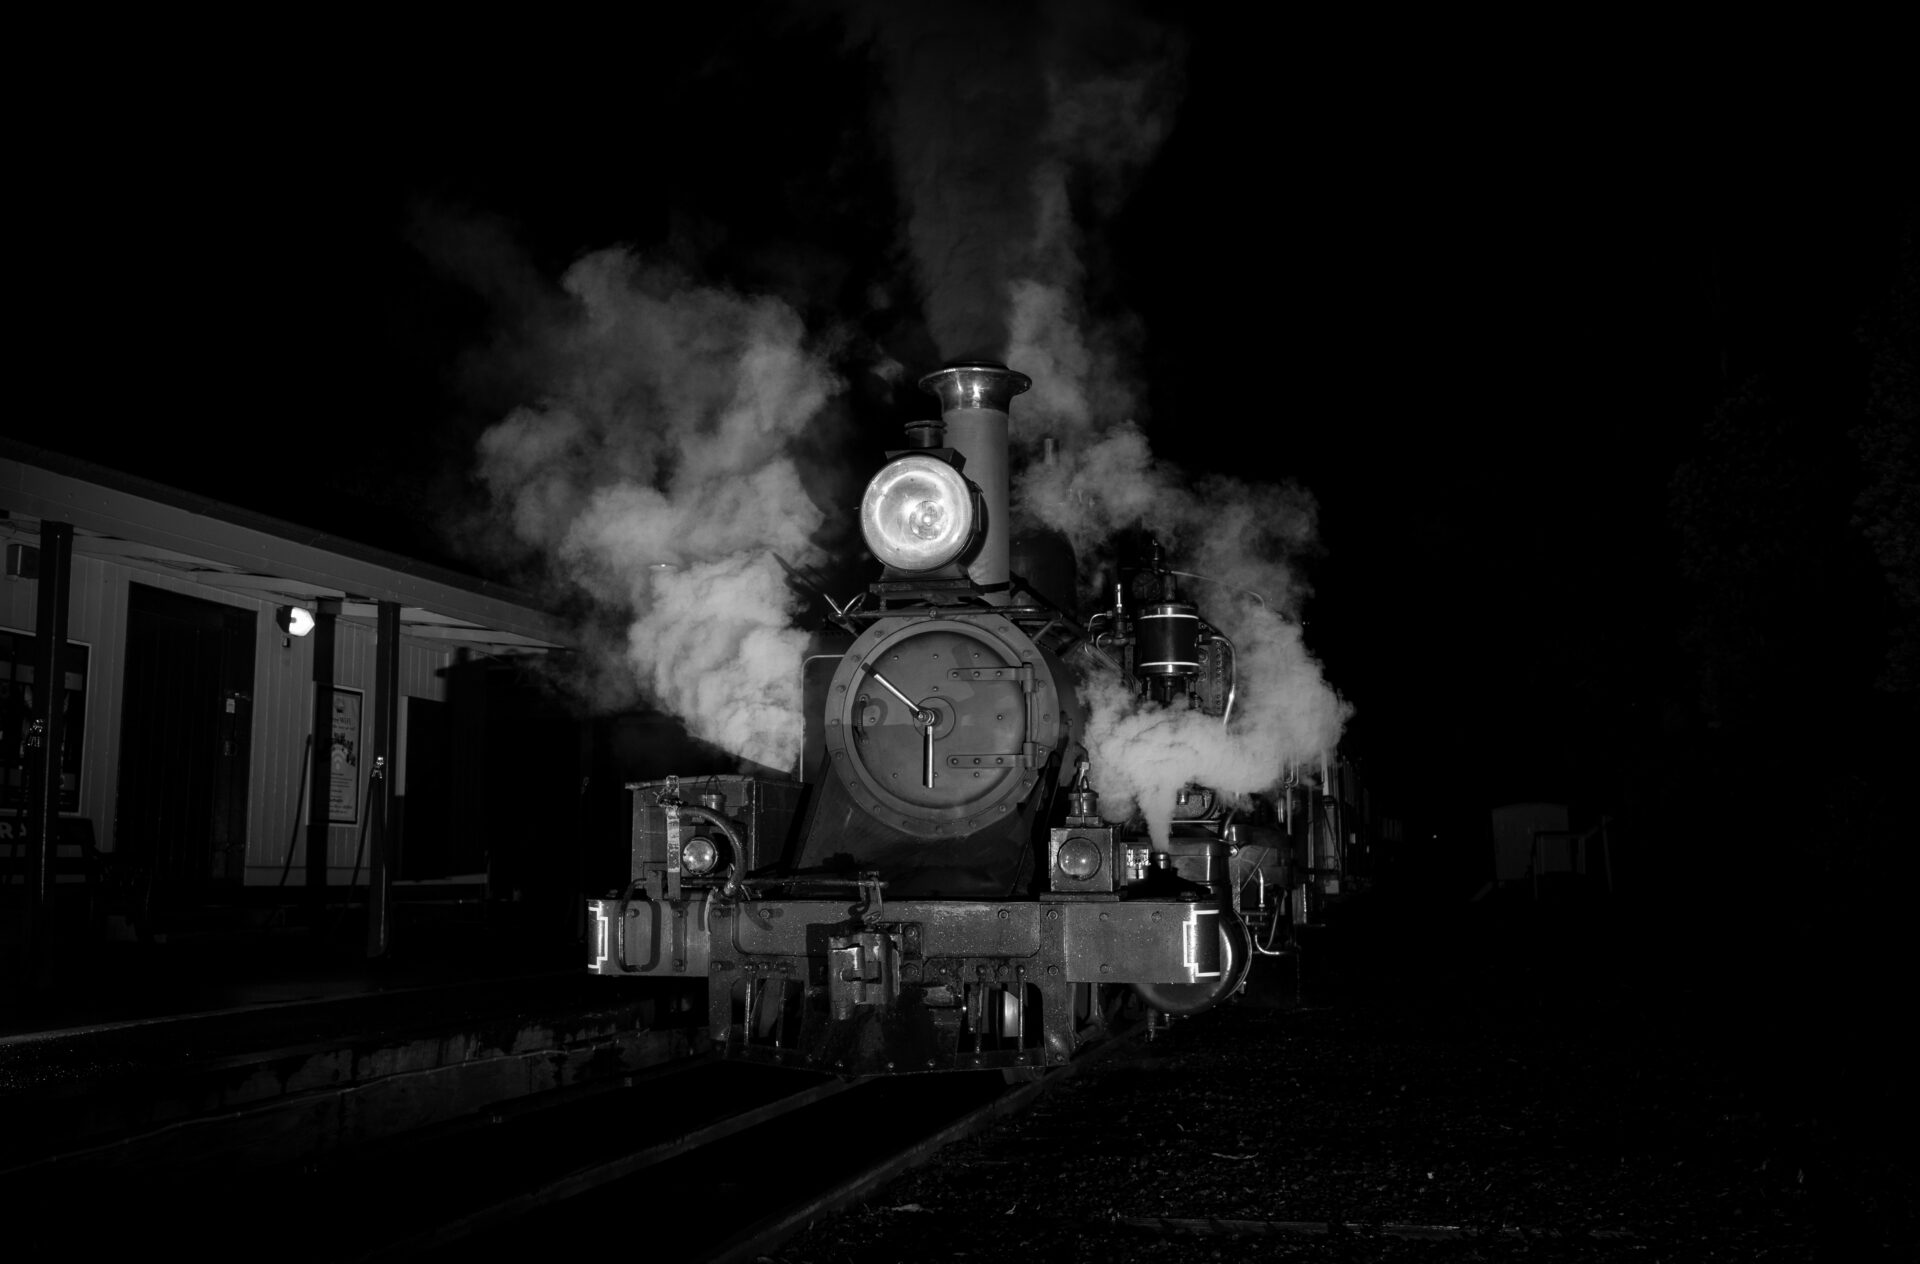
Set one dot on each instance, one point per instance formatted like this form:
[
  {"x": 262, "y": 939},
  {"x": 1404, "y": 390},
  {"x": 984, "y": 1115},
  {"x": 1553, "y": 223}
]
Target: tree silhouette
[{"x": 1887, "y": 509}]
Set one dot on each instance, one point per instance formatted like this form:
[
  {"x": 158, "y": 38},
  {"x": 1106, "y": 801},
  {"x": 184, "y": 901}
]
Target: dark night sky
[{"x": 1481, "y": 311}]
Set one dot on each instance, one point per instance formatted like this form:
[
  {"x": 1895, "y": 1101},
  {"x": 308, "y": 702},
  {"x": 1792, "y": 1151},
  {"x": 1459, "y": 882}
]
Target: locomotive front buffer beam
[{"x": 914, "y": 985}]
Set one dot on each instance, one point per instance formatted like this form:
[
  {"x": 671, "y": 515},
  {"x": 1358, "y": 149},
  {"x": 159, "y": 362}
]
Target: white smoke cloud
[
  {"x": 1080, "y": 374},
  {"x": 1103, "y": 129},
  {"x": 967, "y": 99},
  {"x": 719, "y": 643},
  {"x": 1104, "y": 124},
  {"x": 1242, "y": 537},
  {"x": 657, "y": 472},
  {"x": 1142, "y": 753}
]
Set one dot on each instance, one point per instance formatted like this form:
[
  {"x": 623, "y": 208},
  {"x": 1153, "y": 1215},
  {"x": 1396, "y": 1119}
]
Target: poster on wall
[
  {"x": 18, "y": 694},
  {"x": 343, "y": 786}
]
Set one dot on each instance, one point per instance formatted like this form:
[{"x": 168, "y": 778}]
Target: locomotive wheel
[{"x": 1236, "y": 958}]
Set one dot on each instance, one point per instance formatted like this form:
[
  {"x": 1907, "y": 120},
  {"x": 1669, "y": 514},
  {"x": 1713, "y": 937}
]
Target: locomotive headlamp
[
  {"x": 699, "y": 855},
  {"x": 917, "y": 514},
  {"x": 1078, "y": 858}
]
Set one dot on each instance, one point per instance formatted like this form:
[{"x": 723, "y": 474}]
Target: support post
[
  {"x": 386, "y": 725},
  {"x": 320, "y": 768},
  {"x": 47, "y": 730}
]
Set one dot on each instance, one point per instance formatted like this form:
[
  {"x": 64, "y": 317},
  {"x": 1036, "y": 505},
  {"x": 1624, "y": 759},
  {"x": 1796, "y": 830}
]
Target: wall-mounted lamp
[{"x": 296, "y": 620}]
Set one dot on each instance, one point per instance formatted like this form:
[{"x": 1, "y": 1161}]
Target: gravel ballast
[{"x": 1541, "y": 1120}]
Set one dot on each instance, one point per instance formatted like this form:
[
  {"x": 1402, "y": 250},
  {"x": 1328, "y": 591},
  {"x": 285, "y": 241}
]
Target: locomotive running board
[{"x": 933, "y": 985}]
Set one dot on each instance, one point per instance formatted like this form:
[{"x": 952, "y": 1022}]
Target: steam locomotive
[{"x": 940, "y": 891}]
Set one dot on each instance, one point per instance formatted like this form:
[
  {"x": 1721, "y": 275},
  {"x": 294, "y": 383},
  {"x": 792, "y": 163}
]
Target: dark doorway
[
  {"x": 423, "y": 848},
  {"x": 185, "y": 728}
]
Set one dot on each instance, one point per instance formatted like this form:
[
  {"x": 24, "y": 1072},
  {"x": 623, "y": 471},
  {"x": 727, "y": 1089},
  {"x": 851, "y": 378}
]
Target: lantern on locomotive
[{"x": 940, "y": 892}]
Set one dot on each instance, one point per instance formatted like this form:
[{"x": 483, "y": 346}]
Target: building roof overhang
[{"x": 122, "y": 518}]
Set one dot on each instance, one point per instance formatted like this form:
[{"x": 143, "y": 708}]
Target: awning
[{"x": 136, "y": 522}]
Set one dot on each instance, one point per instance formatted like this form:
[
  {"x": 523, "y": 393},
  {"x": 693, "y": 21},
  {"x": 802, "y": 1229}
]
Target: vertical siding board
[
  {"x": 283, "y": 702},
  {"x": 103, "y": 610},
  {"x": 111, "y": 648},
  {"x": 16, "y": 602},
  {"x": 276, "y": 766},
  {"x": 259, "y": 754},
  {"x": 282, "y": 709}
]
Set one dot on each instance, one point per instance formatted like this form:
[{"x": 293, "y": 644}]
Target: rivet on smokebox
[
  {"x": 1005, "y": 914},
  {"x": 1105, "y": 968}
]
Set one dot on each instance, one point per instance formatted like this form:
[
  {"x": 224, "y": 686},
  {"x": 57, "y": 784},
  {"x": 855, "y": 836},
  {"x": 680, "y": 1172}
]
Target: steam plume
[
  {"x": 1007, "y": 147},
  {"x": 968, "y": 98},
  {"x": 996, "y": 111},
  {"x": 1244, "y": 538},
  {"x": 1142, "y": 754},
  {"x": 1105, "y": 122},
  {"x": 1107, "y": 116},
  {"x": 657, "y": 473},
  {"x": 1103, "y": 129}
]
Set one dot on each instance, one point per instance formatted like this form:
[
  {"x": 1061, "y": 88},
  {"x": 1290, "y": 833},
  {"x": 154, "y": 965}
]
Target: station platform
[{"x": 197, "y": 1057}]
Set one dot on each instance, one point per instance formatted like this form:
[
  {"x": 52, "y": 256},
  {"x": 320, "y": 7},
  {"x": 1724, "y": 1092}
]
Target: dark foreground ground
[{"x": 1524, "y": 1091}]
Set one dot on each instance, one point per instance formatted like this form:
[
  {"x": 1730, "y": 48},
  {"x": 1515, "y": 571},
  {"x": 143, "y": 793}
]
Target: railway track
[
  {"x": 548, "y": 1154},
  {"x": 753, "y": 1152},
  {"x": 833, "y": 1142}
]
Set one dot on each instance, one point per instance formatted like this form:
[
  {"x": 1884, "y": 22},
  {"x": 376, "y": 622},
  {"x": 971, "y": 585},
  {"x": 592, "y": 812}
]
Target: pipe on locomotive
[
  {"x": 974, "y": 396},
  {"x": 736, "y": 862}
]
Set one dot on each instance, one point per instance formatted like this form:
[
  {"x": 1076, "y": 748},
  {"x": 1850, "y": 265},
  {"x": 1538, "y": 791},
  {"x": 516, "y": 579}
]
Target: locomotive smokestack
[{"x": 974, "y": 396}]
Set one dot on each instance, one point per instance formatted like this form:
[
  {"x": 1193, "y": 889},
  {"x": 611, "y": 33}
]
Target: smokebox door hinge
[
  {"x": 1021, "y": 673},
  {"x": 1026, "y": 757}
]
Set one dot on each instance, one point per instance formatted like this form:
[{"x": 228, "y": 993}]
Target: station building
[{"x": 246, "y": 707}]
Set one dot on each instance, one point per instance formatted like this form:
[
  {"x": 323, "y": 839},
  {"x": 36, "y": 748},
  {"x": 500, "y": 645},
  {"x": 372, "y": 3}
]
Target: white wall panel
[
  {"x": 282, "y": 708},
  {"x": 282, "y": 715},
  {"x": 353, "y": 666}
]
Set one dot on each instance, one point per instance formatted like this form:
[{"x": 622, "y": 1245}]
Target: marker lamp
[
  {"x": 1079, "y": 858},
  {"x": 917, "y": 514},
  {"x": 699, "y": 855}
]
